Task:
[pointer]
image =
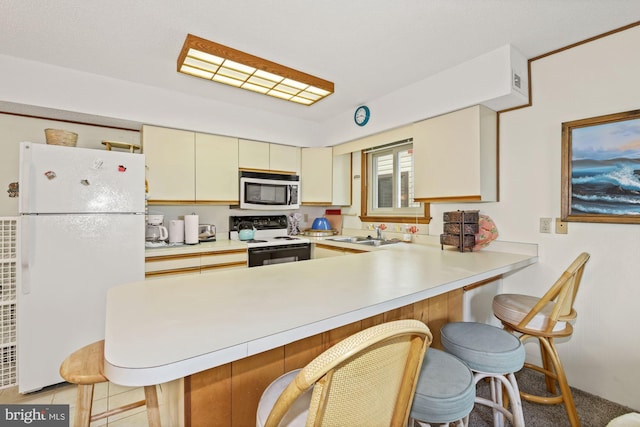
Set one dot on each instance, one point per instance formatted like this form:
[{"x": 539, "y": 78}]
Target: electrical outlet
[
  {"x": 562, "y": 227},
  {"x": 545, "y": 225}
]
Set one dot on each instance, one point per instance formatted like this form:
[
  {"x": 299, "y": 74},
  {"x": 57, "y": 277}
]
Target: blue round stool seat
[
  {"x": 492, "y": 353},
  {"x": 445, "y": 391},
  {"x": 483, "y": 347}
]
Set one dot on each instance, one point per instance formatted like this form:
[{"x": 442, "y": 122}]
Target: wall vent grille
[{"x": 8, "y": 294}]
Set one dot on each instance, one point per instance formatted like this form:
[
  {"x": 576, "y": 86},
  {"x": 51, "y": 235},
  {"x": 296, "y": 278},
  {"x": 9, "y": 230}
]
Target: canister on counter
[
  {"x": 191, "y": 226},
  {"x": 176, "y": 231}
]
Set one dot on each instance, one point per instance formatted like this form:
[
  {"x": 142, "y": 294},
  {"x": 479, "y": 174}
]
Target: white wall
[
  {"x": 594, "y": 79},
  {"x": 482, "y": 80},
  {"x": 485, "y": 79},
  {"x": 42, "y": 85}
]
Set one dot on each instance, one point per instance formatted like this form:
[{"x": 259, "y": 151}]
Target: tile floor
[{"x": 104, "y": 395}]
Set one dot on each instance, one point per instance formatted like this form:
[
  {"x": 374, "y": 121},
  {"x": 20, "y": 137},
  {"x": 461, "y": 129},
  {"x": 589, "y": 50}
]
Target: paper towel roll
[
  {"x": 176, "y": 231},
  {"x": 191, "y": 223}
]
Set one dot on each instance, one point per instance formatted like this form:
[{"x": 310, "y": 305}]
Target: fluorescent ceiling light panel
[{"x": 215, "y": 62}]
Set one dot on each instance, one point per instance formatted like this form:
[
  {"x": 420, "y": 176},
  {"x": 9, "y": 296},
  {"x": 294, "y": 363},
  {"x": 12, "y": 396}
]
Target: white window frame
[{"x": 372, "y": 195}]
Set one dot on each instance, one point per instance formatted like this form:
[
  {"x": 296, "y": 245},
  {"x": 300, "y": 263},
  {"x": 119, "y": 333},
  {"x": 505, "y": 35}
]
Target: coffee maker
[{"x": 156, "y": 232}]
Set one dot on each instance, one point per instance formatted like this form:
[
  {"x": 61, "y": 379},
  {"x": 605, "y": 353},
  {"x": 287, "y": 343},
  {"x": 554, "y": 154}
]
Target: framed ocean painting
[{"x": 601, "y": 169}]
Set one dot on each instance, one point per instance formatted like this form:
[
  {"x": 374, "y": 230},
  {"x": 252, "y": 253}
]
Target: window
[{"x": 390, "y": 178}]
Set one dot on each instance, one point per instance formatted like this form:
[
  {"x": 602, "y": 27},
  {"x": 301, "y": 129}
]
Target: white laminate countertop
[{"x": 176, "y": 326}]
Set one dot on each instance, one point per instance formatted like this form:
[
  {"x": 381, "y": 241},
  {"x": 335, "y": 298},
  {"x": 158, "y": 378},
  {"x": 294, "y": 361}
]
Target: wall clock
[{"x": 361, "y": 116}]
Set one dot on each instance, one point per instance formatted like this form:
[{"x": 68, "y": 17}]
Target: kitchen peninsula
[{"x": 230, "y": 333}]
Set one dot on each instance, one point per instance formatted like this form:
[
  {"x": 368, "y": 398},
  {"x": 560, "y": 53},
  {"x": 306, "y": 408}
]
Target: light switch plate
[{"x": 545, "y": 225}]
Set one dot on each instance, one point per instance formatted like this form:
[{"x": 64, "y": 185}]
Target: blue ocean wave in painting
[{"x": 605, "y": 187}]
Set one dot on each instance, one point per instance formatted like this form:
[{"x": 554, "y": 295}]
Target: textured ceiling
[{"x": 368, "y": 48}]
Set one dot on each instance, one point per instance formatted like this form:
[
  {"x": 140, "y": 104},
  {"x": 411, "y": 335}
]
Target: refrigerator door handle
[
  {"x": 24, "y": 255},
  {"x": 25, "y": 184}
]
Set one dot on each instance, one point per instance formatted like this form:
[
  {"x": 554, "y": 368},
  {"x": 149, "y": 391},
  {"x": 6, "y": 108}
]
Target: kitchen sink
[
  {"x": 377, "y": 242},
  {"x": 350, "y": 239},
  {"x": 369, "y": 241}
]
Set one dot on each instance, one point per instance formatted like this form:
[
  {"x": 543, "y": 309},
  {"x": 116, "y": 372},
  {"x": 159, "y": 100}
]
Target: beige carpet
[{"x": 593, "y": 411}]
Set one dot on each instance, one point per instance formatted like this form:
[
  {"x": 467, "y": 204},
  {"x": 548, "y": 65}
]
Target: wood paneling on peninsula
[{"x": 228, "y": 395}]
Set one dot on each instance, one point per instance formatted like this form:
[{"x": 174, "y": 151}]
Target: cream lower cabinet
[
  {"x": 455, "y": 157},
  {"x": 328, "y": 251},
  {"x": 194, "y": 263},
  {"x": 170, "y": 265},
  {"x": 233, "y": 258}
]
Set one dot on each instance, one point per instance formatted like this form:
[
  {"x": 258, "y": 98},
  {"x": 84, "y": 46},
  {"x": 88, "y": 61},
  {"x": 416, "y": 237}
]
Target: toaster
[{"x": 206, "y": 233}]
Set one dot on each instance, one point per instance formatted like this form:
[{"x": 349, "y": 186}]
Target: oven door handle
[
  {"x": 259, "y": 251},
  {"x": 279, "y": 248},
  {"x": 271, "y": 249}
]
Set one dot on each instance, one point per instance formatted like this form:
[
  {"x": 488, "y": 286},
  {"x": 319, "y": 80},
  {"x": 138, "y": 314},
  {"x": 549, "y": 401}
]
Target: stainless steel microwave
[{"x": 269, "y": 191}]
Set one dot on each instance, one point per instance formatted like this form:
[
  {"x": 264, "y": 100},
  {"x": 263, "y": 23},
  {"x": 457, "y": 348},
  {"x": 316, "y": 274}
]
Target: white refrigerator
[{"x": 82, "y": 230}]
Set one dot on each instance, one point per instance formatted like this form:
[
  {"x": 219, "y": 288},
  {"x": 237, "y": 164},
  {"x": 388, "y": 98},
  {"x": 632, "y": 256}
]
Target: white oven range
[{"x": 270, "y": 243}]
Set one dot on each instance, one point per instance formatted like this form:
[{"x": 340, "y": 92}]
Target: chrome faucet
[{"x": 379, "y": 233}]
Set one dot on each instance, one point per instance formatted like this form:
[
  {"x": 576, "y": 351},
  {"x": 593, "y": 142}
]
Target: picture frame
[{"x": 601, "y": 169}]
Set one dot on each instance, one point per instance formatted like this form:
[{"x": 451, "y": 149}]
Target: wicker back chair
[
  {"x": 367, "y": 379},
  {"x": 546, "y": 318}
]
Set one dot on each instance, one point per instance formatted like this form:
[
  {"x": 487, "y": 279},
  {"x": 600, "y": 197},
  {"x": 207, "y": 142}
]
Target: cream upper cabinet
[
  {"x": 253, "y": 154},
  {"x": 216, "y": 169},
  {"x": 186, "y": 167},
  {"x": 170, "y": 160},
  {"x": 341, "y": 191},
  {"x": 284, "y": 158},
  {"x": 316, "y": 176},
  {"x": 455, "y": 156},
  {"x": 268, "y": 157}
]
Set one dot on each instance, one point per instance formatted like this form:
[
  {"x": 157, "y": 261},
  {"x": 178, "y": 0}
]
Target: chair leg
[
  {"x": 513, "y": 394},
  {"x": 153, "y": 409},
  {"x": 553, "y": 372},
  {"x": 509, "y": 384},
  {"x": 496, "y": 396},
  {"x": 547, "y": 366},
  {"x": 565, "y": 390},
  {"x": 84, "y": 401}
]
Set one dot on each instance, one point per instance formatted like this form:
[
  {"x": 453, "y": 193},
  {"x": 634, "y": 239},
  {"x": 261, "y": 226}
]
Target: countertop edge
[{"x": 164, "y": 373}]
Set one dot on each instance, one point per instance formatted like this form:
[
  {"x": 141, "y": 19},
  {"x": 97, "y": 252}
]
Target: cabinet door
[
  {"x": 316, "y": 176},
  {"x": 216, "y": 169},
  {"x": 284, "y": 158},
  {"x": 253, "y": 154},
  {"x": 223, "y": 260},
  {"x": 163, "y": 266},
  {"x": 342, "y": 180},
  {"x": 455, "y": 156},
  {"x": 324, "y": 252},
  {"x": 169, "y": 155}
]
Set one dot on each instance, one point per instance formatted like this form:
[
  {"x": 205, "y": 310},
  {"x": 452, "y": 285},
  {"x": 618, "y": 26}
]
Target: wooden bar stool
[
  {"x": 546, "y": 318},
  {"x": 84, "y": 367}
]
